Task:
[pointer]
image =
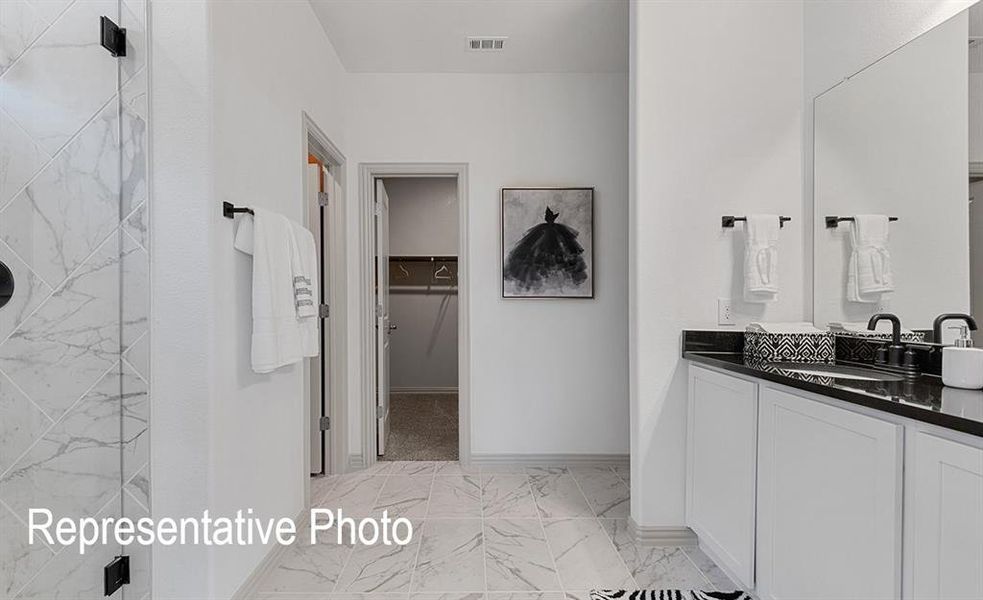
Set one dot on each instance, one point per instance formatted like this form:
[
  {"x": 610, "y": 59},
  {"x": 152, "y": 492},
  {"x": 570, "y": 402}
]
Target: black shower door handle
[{"x": 6, "y": 284}]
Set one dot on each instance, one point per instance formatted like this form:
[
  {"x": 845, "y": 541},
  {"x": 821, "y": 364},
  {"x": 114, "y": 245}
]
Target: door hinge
[
  {"x": 378, "y": 311},
  {"x": 379, "y": 411},
  {"x": 378, "y": 207},
  {"x": 322, "y": 198},
  {"x": 325, "y": 423},
  {"x": 113, "y": 37},
  {"x": 116, "y": 574},
  {"x": 324, "y": 311}
]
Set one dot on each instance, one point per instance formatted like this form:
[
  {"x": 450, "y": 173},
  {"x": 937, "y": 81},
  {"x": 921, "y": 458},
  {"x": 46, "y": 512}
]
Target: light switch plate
[{"x": 725, "y": 312}]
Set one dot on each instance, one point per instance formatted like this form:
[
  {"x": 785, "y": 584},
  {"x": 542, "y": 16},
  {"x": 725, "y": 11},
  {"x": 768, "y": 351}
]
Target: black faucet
[
  {"x": 939, "y": 320},
  {"x": 895, "y": 353}
]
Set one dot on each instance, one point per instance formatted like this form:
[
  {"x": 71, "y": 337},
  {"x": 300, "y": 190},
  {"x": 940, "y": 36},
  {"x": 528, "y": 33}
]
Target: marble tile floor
[{"x": 494, "y": 532}]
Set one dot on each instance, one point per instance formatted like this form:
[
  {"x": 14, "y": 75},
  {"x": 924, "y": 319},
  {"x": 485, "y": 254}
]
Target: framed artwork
[{"x": 548, "y": 242}]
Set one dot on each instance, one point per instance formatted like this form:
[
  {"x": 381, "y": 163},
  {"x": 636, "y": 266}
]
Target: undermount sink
[{"x": 837, "y": 372}]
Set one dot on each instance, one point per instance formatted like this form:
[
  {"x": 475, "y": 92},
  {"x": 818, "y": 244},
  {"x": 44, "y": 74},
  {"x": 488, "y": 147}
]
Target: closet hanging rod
[
  {"x": 833, "y": 221},
  {"x": 229, "y": 210},
  {"x": 423, "y": 259},
  {"x": 729, "y": 220}
]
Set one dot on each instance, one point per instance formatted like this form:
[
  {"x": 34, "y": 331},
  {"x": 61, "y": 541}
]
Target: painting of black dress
[{"x": 548, "y": 245}]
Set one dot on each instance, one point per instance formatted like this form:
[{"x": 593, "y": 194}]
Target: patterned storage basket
[
  {"x": 790, "y": 347},
  {"x": 910, "y": 336}
]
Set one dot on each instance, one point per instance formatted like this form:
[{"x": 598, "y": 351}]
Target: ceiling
[{"x": 430, "y": 36}]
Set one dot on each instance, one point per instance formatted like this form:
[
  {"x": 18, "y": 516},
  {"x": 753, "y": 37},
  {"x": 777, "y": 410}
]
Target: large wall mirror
[{"x": 899, "y": 147}]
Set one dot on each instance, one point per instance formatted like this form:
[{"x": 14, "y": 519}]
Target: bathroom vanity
[
  {"x": 813, "y": 485},
  {"x": 845, "y": 480}
]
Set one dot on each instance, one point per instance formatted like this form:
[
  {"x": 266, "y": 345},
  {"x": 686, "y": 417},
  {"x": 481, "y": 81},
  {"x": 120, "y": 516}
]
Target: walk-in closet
[{"x": 421, "y": 415}]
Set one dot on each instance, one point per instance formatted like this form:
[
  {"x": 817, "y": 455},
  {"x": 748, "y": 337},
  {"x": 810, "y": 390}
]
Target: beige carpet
[{"x": 422, "y": 427}]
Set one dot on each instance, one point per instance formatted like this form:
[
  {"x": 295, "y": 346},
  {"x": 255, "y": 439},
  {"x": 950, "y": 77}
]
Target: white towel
[
  {"x": 869, "y": 272},
  {"x": 761, "y": 258},
  {"x": 303, "y": 266},
  {"x": 795, "y": 327},
  {"x": 276, "y": 338}
]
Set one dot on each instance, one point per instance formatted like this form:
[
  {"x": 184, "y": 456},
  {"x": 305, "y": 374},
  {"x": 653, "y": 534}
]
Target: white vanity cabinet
[
  {"x": 943, "y": 519},
  {"x": 828, "y": 502},
  {"x": 722, "y": 420},
  {"x": 801, "y": 496}
]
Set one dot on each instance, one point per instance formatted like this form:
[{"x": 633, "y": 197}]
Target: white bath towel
[
  {"x": 761, "y": 258},
  {"x": 869, "y": 273},
  {"x": 303, "y": 265},
  {"x": 276, "y": 337}
]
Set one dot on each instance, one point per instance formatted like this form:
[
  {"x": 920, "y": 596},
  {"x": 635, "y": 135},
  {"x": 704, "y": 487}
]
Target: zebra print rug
[{"x": 666, "y": 595}]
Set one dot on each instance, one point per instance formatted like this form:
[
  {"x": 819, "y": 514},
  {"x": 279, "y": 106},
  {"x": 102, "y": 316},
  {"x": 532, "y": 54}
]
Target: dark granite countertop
[{"x": 923, "y": 398}]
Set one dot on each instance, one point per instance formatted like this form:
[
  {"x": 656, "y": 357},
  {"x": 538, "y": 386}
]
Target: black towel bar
[
  {"x": 729, "y": 220},
  {"x": 832, "y": 221},
  {"x": 229, "y": 210}
]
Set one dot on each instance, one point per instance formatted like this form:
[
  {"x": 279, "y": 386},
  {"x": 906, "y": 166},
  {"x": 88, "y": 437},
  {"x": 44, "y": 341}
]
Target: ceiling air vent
[{"x": 486, "y": 43}]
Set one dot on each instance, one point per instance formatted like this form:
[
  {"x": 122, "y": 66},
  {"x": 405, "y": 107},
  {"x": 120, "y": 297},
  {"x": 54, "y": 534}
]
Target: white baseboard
[
  {"x": 423, "y": 390},
  {"x": 482, "y": 458},
  {"x": 250, "y": 587},
  {"x": 662, "y": 536}
]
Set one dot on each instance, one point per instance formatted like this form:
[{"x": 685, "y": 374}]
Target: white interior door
[
  {"x": 316, "y": 370},
  {"x": 329, "y": 383},
  {"x": 383, "y": 326}
]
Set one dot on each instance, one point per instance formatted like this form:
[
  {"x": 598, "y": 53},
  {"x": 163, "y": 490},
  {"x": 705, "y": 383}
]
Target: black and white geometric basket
[{"x": 790, "y": 347}]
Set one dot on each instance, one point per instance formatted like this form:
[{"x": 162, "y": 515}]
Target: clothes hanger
[{"x": 442, "y": 273}]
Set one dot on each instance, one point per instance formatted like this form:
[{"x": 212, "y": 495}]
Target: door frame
[
  {"x": 368, "y": 173},
  {"x": 336, "y": 283}
]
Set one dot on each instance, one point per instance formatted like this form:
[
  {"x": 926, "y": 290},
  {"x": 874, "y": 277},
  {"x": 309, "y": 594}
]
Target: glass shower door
[{"x": 74, "y": 398}]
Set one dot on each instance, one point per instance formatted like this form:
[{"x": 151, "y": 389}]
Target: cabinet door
[
  {"x": 720, "y": 468},
  {"x": 829, "y": 501},
  {"x": 944, "y": 519}
]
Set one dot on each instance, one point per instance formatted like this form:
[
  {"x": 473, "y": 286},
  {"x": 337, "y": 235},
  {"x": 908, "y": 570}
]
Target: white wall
[
  {"x": 892, "y": 140},
  {"x": 716, "y": 122},
  {"x": 423, "y": 221},
  {"x": 545, "y": 360},
  {"x": 227, "y": 113},
  {"x": 976, "y": 84},
  {"x": 423, "y": 216},
  {"x": 182, "y": 310},
  {"x": 976, "y": 253},
  {"x": 976, "y": 111}
]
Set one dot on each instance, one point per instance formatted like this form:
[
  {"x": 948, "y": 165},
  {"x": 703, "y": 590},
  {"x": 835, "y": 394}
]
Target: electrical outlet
[{"x": 725, "y": 312}]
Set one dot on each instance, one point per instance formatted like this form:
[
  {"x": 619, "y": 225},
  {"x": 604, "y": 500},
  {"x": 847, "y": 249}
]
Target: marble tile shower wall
[{"x": 73, "y": 340}]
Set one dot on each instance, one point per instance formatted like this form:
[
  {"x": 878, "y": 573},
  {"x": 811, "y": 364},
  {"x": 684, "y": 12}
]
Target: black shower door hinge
[
  {"x": 113, "y": 37},
  {"x": 116, "y": 574}
]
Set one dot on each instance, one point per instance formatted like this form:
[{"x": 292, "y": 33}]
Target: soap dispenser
[{"x": 962, "y": 365}]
